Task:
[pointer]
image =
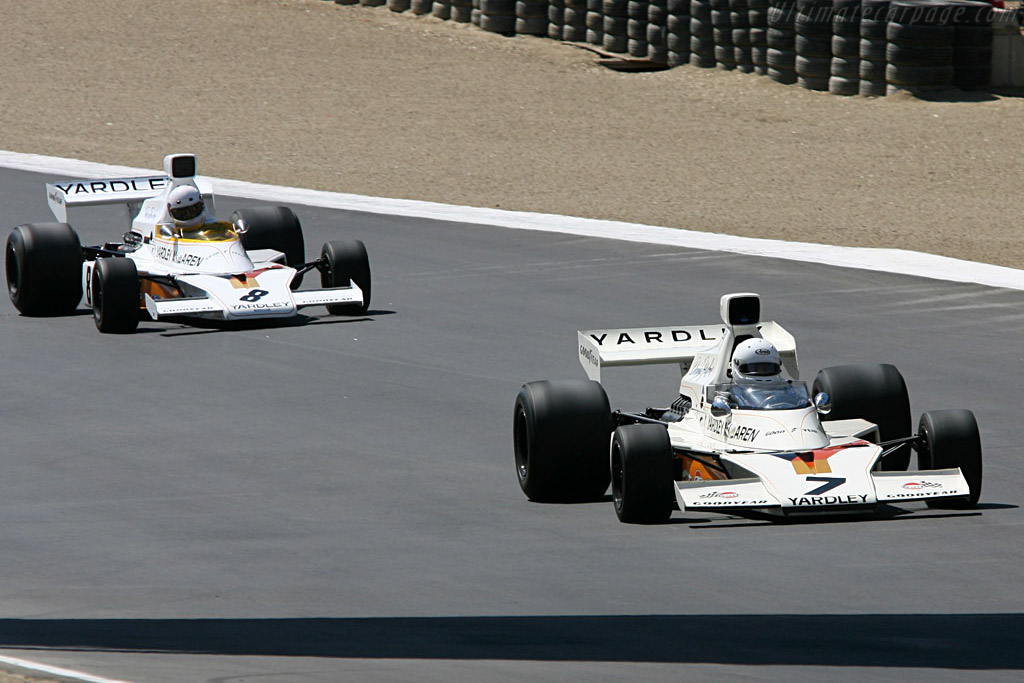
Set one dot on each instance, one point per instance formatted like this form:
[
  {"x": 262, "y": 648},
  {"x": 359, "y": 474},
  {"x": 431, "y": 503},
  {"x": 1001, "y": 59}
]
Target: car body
[
  {"x": 839, "y": 446},
  {"x": 244, "y": 269}
]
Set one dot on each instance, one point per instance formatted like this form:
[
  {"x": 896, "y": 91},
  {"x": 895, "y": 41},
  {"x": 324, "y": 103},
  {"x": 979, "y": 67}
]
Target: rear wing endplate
[{"x": 655, "y": 345}]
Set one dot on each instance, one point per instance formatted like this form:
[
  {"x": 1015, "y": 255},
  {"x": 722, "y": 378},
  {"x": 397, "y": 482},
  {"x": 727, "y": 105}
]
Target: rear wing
[
  {"x": 62, "y": 195},
  {"x": 655, "y": 345}
]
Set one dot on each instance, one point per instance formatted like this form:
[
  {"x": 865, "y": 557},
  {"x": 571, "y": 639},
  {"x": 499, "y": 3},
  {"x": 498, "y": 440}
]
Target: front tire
[
  {"x": 347, "y": 262},
  {"x": 876, "y": 393},
  {"x": 951, "y": 439},
  {"x": 641, "y": 469},
  {"x": 560, "y": 435},
  {"x": 115, "y": 295},
  {"x": 271, "y": 227},
  {"x": 44, "y": 269}
]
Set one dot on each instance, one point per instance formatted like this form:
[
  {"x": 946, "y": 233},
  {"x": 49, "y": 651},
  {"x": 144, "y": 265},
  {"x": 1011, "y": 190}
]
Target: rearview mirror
[
  {"x": 823, "y": 403},
  {"x": 720, "y": 407}
]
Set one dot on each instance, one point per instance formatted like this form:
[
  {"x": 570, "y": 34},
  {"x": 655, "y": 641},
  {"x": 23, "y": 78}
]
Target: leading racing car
[
  {"x": 741, "y": 435},
  {"x": 177, "y": 260}
]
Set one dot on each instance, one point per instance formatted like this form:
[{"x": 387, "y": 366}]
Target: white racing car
[
  {"x": 741, "y": 436},
  {"x": 177, "y": 260}
]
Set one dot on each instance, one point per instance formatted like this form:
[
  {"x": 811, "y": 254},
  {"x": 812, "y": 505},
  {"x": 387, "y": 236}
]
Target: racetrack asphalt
[{"x": 336, "y": 500}]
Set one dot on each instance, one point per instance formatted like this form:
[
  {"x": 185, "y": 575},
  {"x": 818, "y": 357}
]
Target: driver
[
  {"x": 191, "y": 219},
  {"x": 757, "y": 378},
  {"x": 756, "y": 361}
]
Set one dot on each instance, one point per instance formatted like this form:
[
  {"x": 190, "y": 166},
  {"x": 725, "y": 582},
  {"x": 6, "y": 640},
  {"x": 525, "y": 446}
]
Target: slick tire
[
  {"x": 44, "y": 269},
  {"x": 560, "y": 436},
  {"x": 115, "y": 295},
  {"x": 876, "y": 393},
  {"x": 346, "y": 261},
  {"x": 950, "y": 438},
  {"x": 641, "y": 469},
  {"x": 271, "y": 227}
]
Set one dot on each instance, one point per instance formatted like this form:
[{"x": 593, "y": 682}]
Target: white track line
[
  {"x": 900, "y": 261},
  {"x": 55, "y": 670}
]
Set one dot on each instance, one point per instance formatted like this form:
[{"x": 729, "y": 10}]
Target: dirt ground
[
  {"x": 314, "y": 94},
  {"x": 356, "y": 99}
]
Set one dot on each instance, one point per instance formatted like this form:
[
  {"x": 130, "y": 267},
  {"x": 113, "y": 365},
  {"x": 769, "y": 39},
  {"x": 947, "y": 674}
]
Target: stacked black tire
[
  {"x": 677, "y": 36},
  {"x": 782, "y": 41},
  {"x": 399, "y": 5},
  {"x": 721, "y": 33},
  {"x": 874, "y": 17},
  {"x": 442, "y": 9},
  {"x": 421, "y": 7},
  {"x": 702, "y": 40},
  {"x": 615, "y": 23},
  {"x": 556, "y": 19},
  {"x": 595, "y": 22},
  {"x": 919, "y": 54},
  {"x": 636, "y": 28},
  {"x": 531, "y": 18},
  {"x": 462, "y": 11},
  {"x": 757, "y": 18},
  {"x": 813, "y": 44},
  {"x": 657, "y": 31},
  {"x": 740, "y": 20},
  {"x": 972, "y": 45},
  {"x": 575, "y": 27},
  {"x": 498, "y": 16},
  {"x": 845, "y": 66}
]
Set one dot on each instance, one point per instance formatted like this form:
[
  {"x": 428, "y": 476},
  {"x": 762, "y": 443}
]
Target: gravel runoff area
[{"x": 356, "y": 99}]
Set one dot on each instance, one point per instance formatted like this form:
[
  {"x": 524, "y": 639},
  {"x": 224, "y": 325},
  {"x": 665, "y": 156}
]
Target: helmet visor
[
  {"x": 759, "y": 369},
  {"x": 186, "y": 213}
]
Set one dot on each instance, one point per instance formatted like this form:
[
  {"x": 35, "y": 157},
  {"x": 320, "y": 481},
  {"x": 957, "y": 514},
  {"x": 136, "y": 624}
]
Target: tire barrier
[
  {"x": 757, "y": 19},
  {"x": 575, "y": 28},
  {"x": 844, "y": 70},
  {"x": 616, "y": 18},
  {"x": 739, "y": 18},
  {"x": 657, "y": 32},
  {"x": 462, "y": 11},
  {"x": 873, "y": 20},
  {"x": 556, "y": 19},
  {"x": 919, "y": 50},
  {"x": 702, "y": 41},
  {"x": 847, "y": 47},
  {"x": 498, "y": 16},
  {"x": 972, "y": 45},
  {"x": 721, "y": 34},
  {"x": 442, "y": 9},
  {"x": 813, "y": 44},
  {"x": 636, "y": 28},
  {"x": 677, "y": 36},
  {"x": 595, "y": 22},
  {"x": 782, "y": 41},
  {"x": 531, "y": 17}
]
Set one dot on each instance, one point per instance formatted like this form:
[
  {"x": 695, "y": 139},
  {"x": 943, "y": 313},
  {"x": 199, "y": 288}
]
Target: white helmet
[
  {"x": 756, "y": 360},
  {"x": 185, "y": 205}
]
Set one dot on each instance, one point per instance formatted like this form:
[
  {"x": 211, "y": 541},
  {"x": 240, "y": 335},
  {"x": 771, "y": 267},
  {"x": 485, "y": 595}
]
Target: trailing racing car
[
  {"x": 743, "y": 434},
  {"x": 176, "y": 260}
]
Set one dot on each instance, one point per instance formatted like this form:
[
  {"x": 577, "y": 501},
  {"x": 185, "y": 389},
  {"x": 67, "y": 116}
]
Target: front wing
[{"x": 884, "y": 487}]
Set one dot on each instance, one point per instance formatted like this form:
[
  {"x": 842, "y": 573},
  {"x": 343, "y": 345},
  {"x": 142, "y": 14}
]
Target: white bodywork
[
  {"x": 211, "y": 278},
  {"x": 782, "y": 460}
]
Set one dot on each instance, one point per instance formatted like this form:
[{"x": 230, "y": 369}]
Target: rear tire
[
  {"x": 641, "y": 469},
  {"x": 115, "y": 295},
  {"x": 44, "y": 269},
  {"x": 347, "y": 262},
  {"x": 560, "y": 436},
  {"x": 876, "y": 393},
  {"x": 951, "y": 439},
  {"x": 272, "y": 227}
]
